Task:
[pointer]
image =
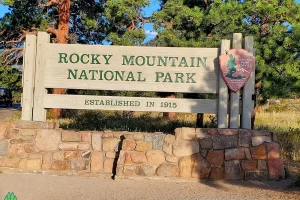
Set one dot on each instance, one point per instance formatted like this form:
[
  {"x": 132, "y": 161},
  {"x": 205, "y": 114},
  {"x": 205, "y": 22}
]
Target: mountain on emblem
[{"x": 236, "y": 68}]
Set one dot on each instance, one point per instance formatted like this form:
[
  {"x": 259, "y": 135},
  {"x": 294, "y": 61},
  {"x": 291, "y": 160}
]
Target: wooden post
[
  {"x": 234, "y": 97},
  {"x": 39, "y": 113},
  {"x": 248, "y": 104},
  {"x": 28, "y": 77},
  {"x": 223, "y": 91}
]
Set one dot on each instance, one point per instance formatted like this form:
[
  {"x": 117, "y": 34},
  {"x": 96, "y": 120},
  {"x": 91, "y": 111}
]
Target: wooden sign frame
[{"x": 160, "y": 69}]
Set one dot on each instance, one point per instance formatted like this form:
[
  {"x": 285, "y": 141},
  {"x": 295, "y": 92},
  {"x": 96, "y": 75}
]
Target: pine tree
[{"x": 275, "y": 26}]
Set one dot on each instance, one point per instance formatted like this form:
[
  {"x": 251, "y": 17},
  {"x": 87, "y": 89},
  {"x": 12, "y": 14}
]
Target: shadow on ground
[{"x": 93, "y": 120}]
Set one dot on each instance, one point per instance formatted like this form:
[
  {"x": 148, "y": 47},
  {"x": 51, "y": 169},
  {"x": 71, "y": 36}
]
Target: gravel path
[{"x": 44, "y": 187}]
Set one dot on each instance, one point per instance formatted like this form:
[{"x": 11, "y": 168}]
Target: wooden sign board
[
  {"x": 121, "y": 68},
  {"x": 190, "y": 70},
  {"x": 90, "y": 102}
]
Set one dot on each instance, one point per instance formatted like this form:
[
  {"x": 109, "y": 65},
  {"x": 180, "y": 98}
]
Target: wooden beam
[
  {"x": 28, "y": 77},
  {"x": 234, "y": 97},
  {"x": 39, "y": 113},
  {"x": 223, "y": 91},
  {"x": 90, "y": 102},
  {"x": 248, "y": 91}
]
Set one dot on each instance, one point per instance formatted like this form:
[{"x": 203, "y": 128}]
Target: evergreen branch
[
  {"x": 20, "y": 39},
  {"x": 23, "y": 34},
  {"x": 16, "y": 57},
  {"x": 14, "y": 53},
  {"x": 146, "y": 20}
]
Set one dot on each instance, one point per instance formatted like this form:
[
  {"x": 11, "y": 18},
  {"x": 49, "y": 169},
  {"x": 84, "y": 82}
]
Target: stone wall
[
  {"x": 42, "y": 146},
  {"x": 213, "y": 154},
  {"x": 231, "y": 154}
]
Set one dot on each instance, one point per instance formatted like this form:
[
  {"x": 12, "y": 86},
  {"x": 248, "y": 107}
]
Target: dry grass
[
  {"x": 281, "y": 118},
  {"x": 285, "y": 121}
]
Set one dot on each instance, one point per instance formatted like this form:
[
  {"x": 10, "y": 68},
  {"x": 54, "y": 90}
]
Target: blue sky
[{"x": 154, "y": 6}]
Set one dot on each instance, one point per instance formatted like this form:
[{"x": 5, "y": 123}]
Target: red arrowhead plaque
[{"x": 236, "y": 68}]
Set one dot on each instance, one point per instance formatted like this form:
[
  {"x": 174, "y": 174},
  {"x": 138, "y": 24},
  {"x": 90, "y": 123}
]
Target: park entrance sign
[
  {"x": 159, "y": 69},
  {"x": 131, "y": 68}
]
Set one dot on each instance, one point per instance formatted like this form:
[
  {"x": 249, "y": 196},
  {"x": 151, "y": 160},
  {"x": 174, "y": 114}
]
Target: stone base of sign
[{"x": 213, "y": 154}]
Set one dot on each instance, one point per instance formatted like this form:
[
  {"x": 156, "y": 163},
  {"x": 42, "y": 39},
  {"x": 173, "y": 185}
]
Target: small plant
[{"x": 10, "y": 196}]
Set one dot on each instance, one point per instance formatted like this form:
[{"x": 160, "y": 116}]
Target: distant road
[{"x": 7, "y": 112}]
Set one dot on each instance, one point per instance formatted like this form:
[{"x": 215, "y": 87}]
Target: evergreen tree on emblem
[{"x": 231, "y": 66}]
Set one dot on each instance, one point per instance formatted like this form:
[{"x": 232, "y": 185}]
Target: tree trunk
[
  {"x": 257, "y": 109},
  {"x": 62, "y": 38},
  {"x": 200, "y": 120}
]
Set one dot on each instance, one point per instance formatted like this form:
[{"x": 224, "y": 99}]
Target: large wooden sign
[
  {"x": 160, "y": 69},
  {"x": 131, "y": 68}
]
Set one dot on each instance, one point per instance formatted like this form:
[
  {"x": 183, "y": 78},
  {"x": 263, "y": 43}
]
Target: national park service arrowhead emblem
[{"x": 236, "y": 67}]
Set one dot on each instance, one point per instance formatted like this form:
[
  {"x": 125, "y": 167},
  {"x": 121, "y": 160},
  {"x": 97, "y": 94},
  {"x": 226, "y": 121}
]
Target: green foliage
[
  {"x": 124, "y": 19},
  {"x": 128, "y": 38},
  {"x": 17, "y": 20},
  {"x": 11, "y": 78},
  {"x": 275, "y": 26},
  {"x": 87, "y": 25},
  {"x": 10, "y": 196},
  {"x": 90, "y": 22},
  {"x": 7, "y": 2}
]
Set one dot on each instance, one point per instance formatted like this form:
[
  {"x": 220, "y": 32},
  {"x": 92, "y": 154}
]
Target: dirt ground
[{"x": 44, "y": 187}]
